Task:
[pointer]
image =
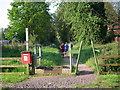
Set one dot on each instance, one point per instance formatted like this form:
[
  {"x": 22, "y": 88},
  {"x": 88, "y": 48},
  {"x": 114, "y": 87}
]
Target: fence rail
[
  {"x": 112, "y": 56},
  {"x": 109, "y": 64},
  {"x": 112, "y": 64},
  {"x": 13, "y": 65},
  {"x": 109, "y": 72},
  {"x": 12, "y": 73},
  {"x": 13, "y": 58}
]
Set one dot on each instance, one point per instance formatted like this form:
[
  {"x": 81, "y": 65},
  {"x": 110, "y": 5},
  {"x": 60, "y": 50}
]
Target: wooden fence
[
  {"x": 13, "y": 58},
  {"x": 109, "y": 64}
]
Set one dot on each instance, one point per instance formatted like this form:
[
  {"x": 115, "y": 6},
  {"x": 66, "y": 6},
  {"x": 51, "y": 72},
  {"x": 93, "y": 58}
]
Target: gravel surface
[{"x": 86, "y": 77}]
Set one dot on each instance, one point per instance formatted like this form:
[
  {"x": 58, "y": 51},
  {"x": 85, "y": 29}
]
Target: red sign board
[{"x": 26, "y": 57}]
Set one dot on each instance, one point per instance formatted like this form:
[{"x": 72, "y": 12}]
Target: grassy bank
[
  {"x": 51, "y": 57},
  {"x": 103, "y": 81}
]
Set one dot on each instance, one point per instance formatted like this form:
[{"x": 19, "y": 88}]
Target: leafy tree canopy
[
  {"x": 31, "y": 15},
  {"x": 86, "y": 20},
  {"x": 110, "y": 12}
]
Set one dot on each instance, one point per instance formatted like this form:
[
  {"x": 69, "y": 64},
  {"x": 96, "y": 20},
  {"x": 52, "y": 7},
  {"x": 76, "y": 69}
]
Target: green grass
[
  {"x": 13, "y": 69},
  {"x": 103, "y": 81},
  {"x": 14, "y": 78},
  {"x": 11, "y": 62},
  {"x": 86, "y": 56},
  {"x": 86, "y": 86},
  {"x": 51, "y": 57}
]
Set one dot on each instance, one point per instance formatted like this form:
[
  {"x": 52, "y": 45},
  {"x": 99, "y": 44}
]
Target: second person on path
[{"x": 66, "y": 48}]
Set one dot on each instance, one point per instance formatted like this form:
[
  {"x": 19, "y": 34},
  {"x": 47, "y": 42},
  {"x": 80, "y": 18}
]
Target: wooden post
[
  {"x": 27, "y": 69},
  {"x": 103, "y": 52},
  {"x": 27, "y": 48},
  {"x": 104, "y": 62},
  {"x": 27, "y": 39},
  {"x": 33, "y": 65},
  {"x": 39, "y": 51},
  {"x": 35, "y": 56},
  {"x": 96, "y": 62},
  {"x": 70, "y": 58},
  {"x": 40, "y": 55},
  {"x": 118, "y": 48},
  {"x": 79, "y": 52}
]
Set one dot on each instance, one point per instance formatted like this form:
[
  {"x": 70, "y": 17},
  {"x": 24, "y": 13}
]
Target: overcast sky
[{"x": 4, "y": 5}]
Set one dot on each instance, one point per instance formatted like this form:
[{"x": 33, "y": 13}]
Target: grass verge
[
  {"x": 13, "y": 78},
  {"x": 103, "y": 81}
]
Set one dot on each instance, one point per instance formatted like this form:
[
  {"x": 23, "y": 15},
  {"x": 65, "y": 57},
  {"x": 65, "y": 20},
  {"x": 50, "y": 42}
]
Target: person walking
[
  {"x": 66, "y": 48},
  {"x": 62, "y": 48}
]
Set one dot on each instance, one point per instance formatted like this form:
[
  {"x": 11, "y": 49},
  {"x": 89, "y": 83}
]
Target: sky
[{"x": 4, "y": 5}]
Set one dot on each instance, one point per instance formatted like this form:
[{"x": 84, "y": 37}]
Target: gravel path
[{"x": 86, "y": 77}]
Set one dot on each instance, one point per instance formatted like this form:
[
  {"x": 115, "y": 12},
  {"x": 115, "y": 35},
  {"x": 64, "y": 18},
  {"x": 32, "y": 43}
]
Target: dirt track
[{"x": 86, "y": 76}]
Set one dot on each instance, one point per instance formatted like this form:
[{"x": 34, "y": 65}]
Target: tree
[
  {"x": 2, "y": 33},
  {"x": 110, "y": 12},
  {"x": 31, "y": 15},
  {"x": 87, "y": 20}
]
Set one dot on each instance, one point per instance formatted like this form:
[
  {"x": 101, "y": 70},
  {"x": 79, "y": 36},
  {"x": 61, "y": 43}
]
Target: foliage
[
  {"x": 109, "y": 36},
  {"x": 1, "y": 35},
  {"x": 116, "y": 8},
  {"x": 83, "y": 20},
  {"x": 110, "y": 12},
  {"x": 12, "y": 51},
  {"x": 31, "y": 15},
  {"x": 33, "y": 38},
  {"x": 62, "y": 30}
]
